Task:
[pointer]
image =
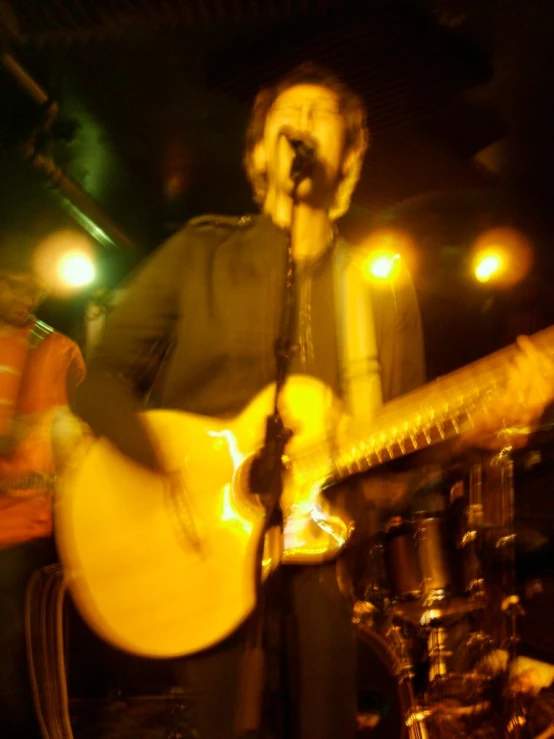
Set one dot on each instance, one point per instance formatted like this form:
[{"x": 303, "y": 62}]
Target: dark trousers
[
  {"x": 317, "y": 656},
  {"x": 17, "y": 564}
]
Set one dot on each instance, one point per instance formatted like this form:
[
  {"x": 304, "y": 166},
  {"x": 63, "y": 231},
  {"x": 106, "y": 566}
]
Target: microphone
[{"x": 305, "y": 152}]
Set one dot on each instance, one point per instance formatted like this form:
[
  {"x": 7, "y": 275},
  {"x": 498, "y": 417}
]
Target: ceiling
[{"x": 154, "y": 95}]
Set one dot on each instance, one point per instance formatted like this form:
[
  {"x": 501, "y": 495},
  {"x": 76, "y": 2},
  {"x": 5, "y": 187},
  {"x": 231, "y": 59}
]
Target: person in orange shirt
[{"x": 39, "y": 372}]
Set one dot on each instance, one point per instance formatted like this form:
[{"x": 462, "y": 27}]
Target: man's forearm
[{"x": 111, "y": 410}]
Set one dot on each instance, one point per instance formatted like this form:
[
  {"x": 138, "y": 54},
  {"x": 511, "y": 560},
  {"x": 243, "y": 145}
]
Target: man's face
[
  {"x": 20, "y": 293},
  {"x": 313, "y": 111}
]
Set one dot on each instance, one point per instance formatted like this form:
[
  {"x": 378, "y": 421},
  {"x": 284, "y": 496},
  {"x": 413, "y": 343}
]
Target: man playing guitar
[{"x": 215, "y": 289}]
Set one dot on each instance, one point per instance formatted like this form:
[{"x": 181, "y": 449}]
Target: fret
[
  {"x": 468, "y": 415},
  {"x": 413, "y": 441},
  {"x": 345, "y": 465},
  {"x": 360, "y": 461},
  {"x": 349, "y": 463},
  {"x": 369, "y": 458}
]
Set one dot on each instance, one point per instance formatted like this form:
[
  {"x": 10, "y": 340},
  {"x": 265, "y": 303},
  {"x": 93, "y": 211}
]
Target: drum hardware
[
  {"x": 457, "y": 491},
  {"x": 513, "y": 610},
  {"x": 448, "y": 574},
  {"x": 475, "y": 515},
  {"x": 444, "y": 695},
  {"x": 438, "y": 653},
  {"x": 364, "y": 612},
  {"x": 416, "y": 723},
  {"x": 468, "y": 538},
  {"x": 419, "y": 559},
  {"x": 404, "y": 669},
  {"x": 403, "y": 571},
  {"x": 476, "y": 657},
  {"x": 471, "y": 575},
  {"x": 444, "y": 613},
  {"x": 376, "y": 588},
  {"x": 519, "y": 704},
  {"x": 469, "y": 587},
  {"x": 462, "y": 711},
  {"x": 475, "y": 508},
  {"x": 505, "y": 541},
  {"x": 416, "y": 716},
  {"x": 495, "y": 474},
  {"x": 435, "y": 557},
  {"x": 517, "y": 721}
]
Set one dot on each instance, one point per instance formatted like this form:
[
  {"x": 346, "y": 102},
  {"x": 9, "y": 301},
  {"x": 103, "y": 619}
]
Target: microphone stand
[{"x": 266, "y": 480}]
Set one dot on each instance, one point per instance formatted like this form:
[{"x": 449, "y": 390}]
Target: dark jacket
[{"x": 215, "y": 290}]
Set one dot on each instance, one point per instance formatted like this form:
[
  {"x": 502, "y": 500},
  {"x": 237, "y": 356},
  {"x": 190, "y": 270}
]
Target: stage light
[
  {"x": 502, "y": 256},
  {"x": 384, "y": 252},
  {"x": 382, "y": 266},
  {"x": 76, "y": 269},
  {"x": 488, "y": 265},
  {"x": 64, "y": 261}
]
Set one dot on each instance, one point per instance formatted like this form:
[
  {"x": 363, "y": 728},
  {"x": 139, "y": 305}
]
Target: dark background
[{"x": 153, "y": 96}]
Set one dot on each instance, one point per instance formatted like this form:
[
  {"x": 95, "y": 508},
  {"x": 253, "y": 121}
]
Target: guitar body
[{"x": 163, "y": 574}]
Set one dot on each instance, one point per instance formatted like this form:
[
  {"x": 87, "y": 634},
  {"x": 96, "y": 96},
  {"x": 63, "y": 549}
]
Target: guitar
[{"x": 164, "y": 570}]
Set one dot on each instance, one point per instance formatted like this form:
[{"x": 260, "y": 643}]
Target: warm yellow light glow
[
  {"x": 387, "y": 255},
  {"x": 65, "y": 261},
  {"x": 488, "y": 266},
  {"x": 503, "y": 256},
  {"x": 76, "y": 269},
  {"x": 382, "y": 266}
]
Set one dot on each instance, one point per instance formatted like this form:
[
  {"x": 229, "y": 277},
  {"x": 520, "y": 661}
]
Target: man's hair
[{"x": 351, "y": 107}]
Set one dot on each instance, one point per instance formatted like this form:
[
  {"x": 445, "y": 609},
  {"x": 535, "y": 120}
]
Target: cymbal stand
[
  {"x": 518, "y": 703},
  {"x": 416, "y": 715}
]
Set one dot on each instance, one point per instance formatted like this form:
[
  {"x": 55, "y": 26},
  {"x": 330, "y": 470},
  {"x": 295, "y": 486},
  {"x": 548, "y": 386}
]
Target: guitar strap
[{"x": 359, "y": 365}]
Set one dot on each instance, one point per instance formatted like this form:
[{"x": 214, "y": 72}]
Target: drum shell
[
  {"x": 420, "y": 558},
  {"x": 402, "y": 561}
]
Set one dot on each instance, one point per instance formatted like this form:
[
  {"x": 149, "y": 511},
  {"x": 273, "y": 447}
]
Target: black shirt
[{"x": 315, "y": 330}]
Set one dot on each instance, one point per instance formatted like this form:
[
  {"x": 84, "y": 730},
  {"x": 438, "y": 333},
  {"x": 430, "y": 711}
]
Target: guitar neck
[{"x": 429, "y": 415}]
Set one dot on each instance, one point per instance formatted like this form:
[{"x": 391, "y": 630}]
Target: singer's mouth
[{"x": 297, "y": 135}]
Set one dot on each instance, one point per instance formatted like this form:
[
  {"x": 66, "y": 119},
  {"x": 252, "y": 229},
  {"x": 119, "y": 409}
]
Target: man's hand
[
  {"x": 67, "y": 432},
  {"x": 507, "y": 419}
]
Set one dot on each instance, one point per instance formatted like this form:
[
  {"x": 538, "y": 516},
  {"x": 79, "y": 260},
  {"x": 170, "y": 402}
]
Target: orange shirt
[{"x": 51, "y": 372}]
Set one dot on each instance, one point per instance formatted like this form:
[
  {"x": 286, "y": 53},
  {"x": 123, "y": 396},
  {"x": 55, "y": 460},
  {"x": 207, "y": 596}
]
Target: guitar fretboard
[{"x": 431, "y": 414}]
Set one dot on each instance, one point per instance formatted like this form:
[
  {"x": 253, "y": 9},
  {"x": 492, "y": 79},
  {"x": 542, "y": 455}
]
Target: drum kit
[{"x": 438, "y": 616}]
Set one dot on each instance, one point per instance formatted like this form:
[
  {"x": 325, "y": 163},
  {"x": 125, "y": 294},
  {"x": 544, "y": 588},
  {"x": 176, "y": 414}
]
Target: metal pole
[{"x": 82, "y": 207}]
